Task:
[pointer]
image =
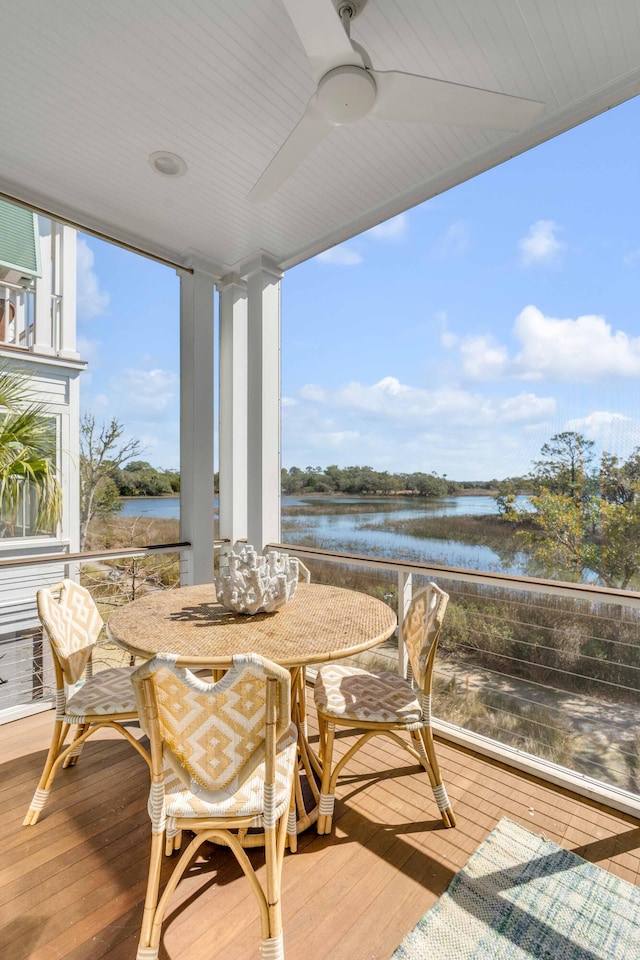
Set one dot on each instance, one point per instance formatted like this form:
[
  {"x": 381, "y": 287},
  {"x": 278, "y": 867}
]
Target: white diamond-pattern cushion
[
  {"x": 421, "y": 627},
  {"x": 218, "y": 747},
  {"x": 238, "y": 799},
  {"x": 350, "y": 693},
  {"x": 73, "y": 625},
  {"x": 109, "y": 691}
]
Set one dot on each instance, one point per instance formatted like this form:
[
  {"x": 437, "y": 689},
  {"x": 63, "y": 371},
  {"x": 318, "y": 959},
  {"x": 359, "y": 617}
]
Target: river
[{"x": 358, "y": 524}]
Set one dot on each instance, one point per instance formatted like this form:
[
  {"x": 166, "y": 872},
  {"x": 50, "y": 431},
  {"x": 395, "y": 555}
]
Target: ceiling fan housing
[{"x": 346, "y": 94}]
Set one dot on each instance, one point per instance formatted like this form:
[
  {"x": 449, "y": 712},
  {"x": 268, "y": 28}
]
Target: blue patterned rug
[{"x": 521, "y": 897}]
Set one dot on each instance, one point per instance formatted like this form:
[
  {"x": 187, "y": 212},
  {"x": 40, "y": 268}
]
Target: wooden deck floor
[{"x": 72, "y": 886}]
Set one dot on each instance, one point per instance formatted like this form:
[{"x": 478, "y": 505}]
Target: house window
[
  {"x": 23, "y": 499},
  {"x": 23, "y": 519}
]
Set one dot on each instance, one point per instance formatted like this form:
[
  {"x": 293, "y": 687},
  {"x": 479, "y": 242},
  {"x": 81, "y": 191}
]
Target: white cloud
[
  {"x": 146, "y": 394},
  {"x": 313, "y": 392},
  {"x": 341, "y": 254},
  {"x": 611, "y": 431},
  {"x": 527, "y": 407},
  {"x": 92, "y": 300},
  {"x": 393, "y": 426},
  {"x": 88, "y": 350},
  {"x": 448, "y": 340},
  {"x": 414, "y": 407},
  {"x": 541, "y": 244},
  {"x": 393, "y": 229},
  {"x": 455, "y": 240},
  {"x": 595, "y": 421},
  {"x": 584, "y": 349},
  {"x": 483, "y": 358}
]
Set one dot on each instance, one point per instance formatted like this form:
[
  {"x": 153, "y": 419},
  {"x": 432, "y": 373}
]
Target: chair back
[
  {"x": 421, "y": 629},
  {"x": 213, "y": 734},
  {"x": 72, "y": 623}
]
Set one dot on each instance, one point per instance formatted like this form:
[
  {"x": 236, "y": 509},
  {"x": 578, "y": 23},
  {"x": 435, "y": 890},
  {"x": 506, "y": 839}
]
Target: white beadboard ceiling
[{"x": 90, "y": 88}]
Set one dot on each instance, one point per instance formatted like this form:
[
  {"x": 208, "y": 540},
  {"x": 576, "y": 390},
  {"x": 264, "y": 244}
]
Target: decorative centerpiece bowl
[{"x": 250, "y": 582}]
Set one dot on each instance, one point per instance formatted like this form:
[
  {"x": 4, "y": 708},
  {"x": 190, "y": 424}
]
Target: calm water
[{"x": 359, "y": 525}]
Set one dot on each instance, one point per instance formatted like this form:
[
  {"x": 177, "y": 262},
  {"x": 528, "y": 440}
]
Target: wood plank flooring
[{"x": 72, "y": 886}]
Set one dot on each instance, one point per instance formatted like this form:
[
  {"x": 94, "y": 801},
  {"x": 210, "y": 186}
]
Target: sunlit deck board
[{"x": 71, "y": 887}]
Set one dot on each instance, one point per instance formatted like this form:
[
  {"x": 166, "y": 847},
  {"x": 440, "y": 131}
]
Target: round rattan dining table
[{"x": 319, "y": 624}]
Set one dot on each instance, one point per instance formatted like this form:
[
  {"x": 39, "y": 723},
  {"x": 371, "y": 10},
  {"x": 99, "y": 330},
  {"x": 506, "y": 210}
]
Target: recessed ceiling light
[{"x": 168, "y": 164}]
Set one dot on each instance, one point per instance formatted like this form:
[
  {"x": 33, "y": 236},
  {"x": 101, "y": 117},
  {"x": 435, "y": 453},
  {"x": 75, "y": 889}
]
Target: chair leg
[
  {"x": 424, "y": 738},
  {"x": 292, "y": 824},
  {"x": 326, "y": 801},
  {"x": 149, "y": 943},
  {"x": 43, "y": 789},
  {"x": 271, "y": 945},
  {"x": 72, "y": 758}
]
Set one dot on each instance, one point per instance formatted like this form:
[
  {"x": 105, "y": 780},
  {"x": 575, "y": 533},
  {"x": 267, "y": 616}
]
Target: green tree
[
  {"x": 102, "y": 450},
  {"x": 585, "y": 523},
  {"x": 140, "y": 479},
  {"x": 564, "y": 463},
  {"x": 27, "y": 455},
  {"x": 507, "y": 491}
]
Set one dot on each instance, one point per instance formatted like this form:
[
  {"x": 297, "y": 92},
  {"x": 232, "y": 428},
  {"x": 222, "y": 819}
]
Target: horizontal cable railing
[
  {"x": 540, "y": 673},
  {"x": 113, "y": 576}
]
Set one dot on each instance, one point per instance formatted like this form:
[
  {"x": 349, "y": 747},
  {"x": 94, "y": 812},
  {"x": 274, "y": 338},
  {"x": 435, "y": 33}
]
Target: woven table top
[{"x": 321, "y": 623}]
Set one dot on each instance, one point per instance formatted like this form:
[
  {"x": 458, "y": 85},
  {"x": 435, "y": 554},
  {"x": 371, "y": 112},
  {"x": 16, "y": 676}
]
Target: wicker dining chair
[
  {"x": 223, "y": 756},
  {"x": 385, "y": 703},
  {"x": 72, "y": 625}
]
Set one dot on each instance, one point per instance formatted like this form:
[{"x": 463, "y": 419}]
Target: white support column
[
  {"x": 232, "y": 439},
  {"x": 196, "y": 423},
  {"x": 43, "y": 336},
  {"x": 71, "y": 473},
  {"x": 263, "y": 454},
  {"x": 65, "y": 313}
]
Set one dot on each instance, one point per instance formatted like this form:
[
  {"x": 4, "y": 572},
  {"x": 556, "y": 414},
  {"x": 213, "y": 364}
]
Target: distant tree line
[
  {"x": 139, "y": 479},
  {"x": 364, "y": 481}
]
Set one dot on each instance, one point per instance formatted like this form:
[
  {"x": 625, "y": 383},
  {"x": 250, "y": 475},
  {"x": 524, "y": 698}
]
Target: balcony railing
[
  {"x": 17, "y": 316},
  {"x": 114, "y": 577},
  {"x": 18, "y": 320},
  {"x": 541, "y": 675}
]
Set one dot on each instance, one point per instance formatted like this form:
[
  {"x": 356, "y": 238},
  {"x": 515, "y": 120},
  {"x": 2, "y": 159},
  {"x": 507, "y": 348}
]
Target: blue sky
[{"x": 457, "y": 338}]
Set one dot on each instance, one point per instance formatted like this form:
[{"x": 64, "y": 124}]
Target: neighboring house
[{"x": 38, "y": 335}]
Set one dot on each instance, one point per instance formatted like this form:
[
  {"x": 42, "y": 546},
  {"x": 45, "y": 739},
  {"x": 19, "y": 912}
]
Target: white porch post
[
  {"x": 232, "y": 441},
  {"x": 196, "y": 423},
  {"x": 43, "y": 334},
  {"x": 263, "y": 453},
  {"x": 65, "y": 312}
]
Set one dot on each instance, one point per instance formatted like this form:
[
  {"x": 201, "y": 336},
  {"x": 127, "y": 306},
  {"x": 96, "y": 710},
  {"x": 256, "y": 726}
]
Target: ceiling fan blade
[
  {"x": 322, "y": 35},
  {"x": 405, "y": 96},
  {"x": 308, "y": 133}
]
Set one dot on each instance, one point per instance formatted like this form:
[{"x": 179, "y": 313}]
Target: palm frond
[{"x": 27, "y": 455}]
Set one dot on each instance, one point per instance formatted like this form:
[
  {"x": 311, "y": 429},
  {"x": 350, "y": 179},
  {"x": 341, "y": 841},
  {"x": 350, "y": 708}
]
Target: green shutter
[{"x": 19, "y": 243}]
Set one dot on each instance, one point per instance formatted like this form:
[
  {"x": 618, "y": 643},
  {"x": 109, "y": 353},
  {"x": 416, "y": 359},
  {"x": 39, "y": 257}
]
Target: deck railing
[
  {"x": 541, "y": 675},
  {"x": 113, "y": 577}
]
